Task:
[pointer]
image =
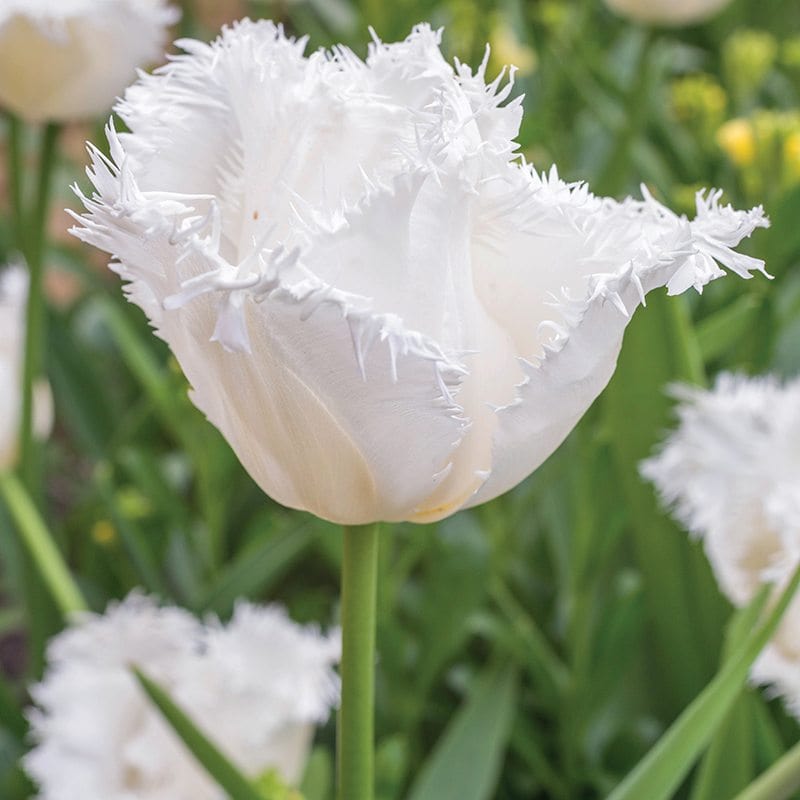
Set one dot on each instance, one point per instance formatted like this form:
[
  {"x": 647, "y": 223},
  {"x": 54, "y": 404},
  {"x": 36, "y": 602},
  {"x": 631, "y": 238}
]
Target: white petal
[{"x": 649, "y": 245}]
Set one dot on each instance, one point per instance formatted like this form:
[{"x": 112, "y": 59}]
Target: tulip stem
[
  {"x": 40, "y": 545},
  {"x": 34, "y": 249},
  {"x": 356, "y": 716}
]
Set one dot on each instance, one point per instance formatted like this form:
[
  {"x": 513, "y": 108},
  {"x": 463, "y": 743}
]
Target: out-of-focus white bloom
[
  {"x": 667, "y": 12},
  {"x": 731, "y": 471},
  {"x": 69, "y": 59},
  {"x": 99, "y": 736},
  {"x": 275, "y": 682},
  {"x": 386, "y": 312},
  {"x": 13, "y": 299}
]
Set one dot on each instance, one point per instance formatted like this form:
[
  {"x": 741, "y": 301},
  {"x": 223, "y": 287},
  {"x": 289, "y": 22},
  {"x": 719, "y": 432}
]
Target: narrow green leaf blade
[
  {"x": 465, "y": 764},
  {"x": 228, "y": 776},
  {"x": 779, "y": 782}
]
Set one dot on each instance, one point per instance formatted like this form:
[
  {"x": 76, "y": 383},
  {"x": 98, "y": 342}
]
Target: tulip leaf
[
  {"x": 317, "y": 781},
  {"x": 256, "y": 568},
  {"x": 721, "y": 330},
  {"x": 661, "y": 771},
  {"x": 218, "y": 766},
  {"x": 780, "y": 782},
  {"x": 465, "y": 764},
  {"x": 660, "y": 347}
]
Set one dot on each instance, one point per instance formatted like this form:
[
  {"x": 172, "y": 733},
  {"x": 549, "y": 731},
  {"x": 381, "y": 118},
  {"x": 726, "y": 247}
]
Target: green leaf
[
  {"x": 779, "y": 782},
  {"x": 256, "y": 568},
  {"x": 661, "y": 772},
  {"x": 43, "y": 550},
  {"x": 721, "y": 330},
  {"x": 465, "y": 765},
  {"x": 457, "y": 556},
  {"x": 317, "y": 781},
  {"x": 226, "y": 774},
  {"x": 659, "y": 348}
]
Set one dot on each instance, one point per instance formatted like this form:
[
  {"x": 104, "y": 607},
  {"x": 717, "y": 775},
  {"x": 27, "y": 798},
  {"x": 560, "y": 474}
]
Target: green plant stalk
[
  {"x": 355, "y": 745},
  {"x": 779, "y": 782},
  {"x": 43, "y": 551},
  {"x": 34, "y": 250}
]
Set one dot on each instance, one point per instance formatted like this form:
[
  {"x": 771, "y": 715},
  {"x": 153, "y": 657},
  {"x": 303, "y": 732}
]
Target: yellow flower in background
[
  {"x": 667, "y": 12},
  {"x": 765, "y": 147},
  {"x": 737, "y": 138},
  {"x": 507, "y": 49},
  {"x": 791, "y": 153},
  {"x": 69, "y": 59}
]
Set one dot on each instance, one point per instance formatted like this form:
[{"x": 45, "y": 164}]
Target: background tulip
[
  {"x": 731, "y": 471},
  {"x": 667, "y": 12},
  {"x": 257, "y": 686},
  {"x": 13, "y": 297},
  {"x": 69, "y": 59},
  {"x": 386, "y": 312}
]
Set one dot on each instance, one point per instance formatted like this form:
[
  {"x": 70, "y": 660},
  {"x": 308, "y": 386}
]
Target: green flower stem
[
  {"x": 34, "y": 250},
  {"x": 14, "y": 135},
  {"x": 779, "y": 782},
  {"x": 356, "y": 716},
  {"x": 46, "y": 556}
]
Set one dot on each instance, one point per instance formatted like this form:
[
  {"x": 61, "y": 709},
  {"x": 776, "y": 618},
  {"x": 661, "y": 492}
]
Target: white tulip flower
[
  {"x": 69, "y": 59},
  {"x": 13, "y": 300},
  {"x": 731, "y": 471},
  {"x": 667, "y": 12},
  {"x": 387, "y": 313},
  {"x": 255, "y": 687}
]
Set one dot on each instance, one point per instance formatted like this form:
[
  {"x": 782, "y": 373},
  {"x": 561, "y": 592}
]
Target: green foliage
[{"x": 537, "y": 647}]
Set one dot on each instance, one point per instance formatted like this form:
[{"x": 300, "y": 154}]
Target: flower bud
[
  {"x": 667, "y": 12},
  {"x": 68, "y": 59}
]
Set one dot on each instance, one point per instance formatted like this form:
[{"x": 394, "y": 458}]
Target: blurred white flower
[
  {"x": 99, "y": 736},
  {"x": 667, "y": 12},
  {"x": 275, "y": 682},
  {"x": 386, "y": 312},
  {"x": 13, "y": 299},
  {"x": 69, "y": 59},
  {"x": 731, "y": 471}
]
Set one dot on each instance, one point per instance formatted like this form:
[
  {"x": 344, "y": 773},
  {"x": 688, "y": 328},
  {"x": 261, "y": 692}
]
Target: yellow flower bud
[{"x": 737, "y": 139}]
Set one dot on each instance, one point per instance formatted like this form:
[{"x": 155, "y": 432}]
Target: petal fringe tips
[
  {"x": 69, "y": 59},
  {"x": 256, "y": 686},
  {"x": 384, "y": 309},
  {"x": 731, "y": 472}
]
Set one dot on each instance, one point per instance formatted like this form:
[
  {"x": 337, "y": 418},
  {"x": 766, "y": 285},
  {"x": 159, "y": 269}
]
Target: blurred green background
[{"x": 538, "y": 646}]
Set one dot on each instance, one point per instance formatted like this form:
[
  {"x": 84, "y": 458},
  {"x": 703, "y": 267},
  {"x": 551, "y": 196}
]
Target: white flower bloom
[
  {"x": 386, "y": 313},
  {"x": 13, "y": 299},
  {"x": 667, "y": 12},
  {"x": 69, "y": 59},
  {"x": 255, "y": 687},
  {"x": 731, "y": 471},
  {"x": 263, "y": 661}
]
